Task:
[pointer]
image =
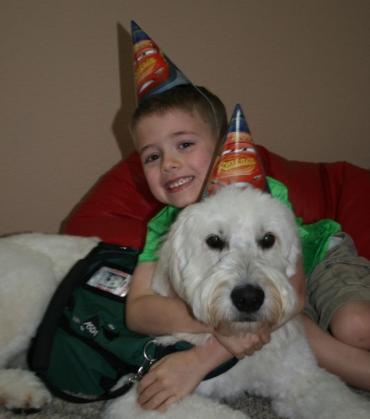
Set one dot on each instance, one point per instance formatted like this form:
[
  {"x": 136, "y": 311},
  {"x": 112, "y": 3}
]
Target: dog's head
[{"x": 230, "y": 258}]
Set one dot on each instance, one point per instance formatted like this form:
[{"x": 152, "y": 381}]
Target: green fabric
[
  {"x": 83, "y": 345},
  {"x": 107, "y": 314},
  {"x": 77, "y": 367},
  {"x": 314, "y": 237},
  {"x": 157, "y": 228}
]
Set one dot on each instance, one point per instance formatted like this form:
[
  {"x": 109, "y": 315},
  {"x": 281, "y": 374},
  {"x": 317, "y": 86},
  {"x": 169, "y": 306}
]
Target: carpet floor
[{"x": 256, "y": 407}]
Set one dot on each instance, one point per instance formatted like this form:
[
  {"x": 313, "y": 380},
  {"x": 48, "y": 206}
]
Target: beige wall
[{"x": 299, "y": 68}]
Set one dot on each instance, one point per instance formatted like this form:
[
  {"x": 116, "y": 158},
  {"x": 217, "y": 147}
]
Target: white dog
[{"x": 230, "y": 258}]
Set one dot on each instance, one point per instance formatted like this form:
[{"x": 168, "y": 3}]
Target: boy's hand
[
  {"x": 244, "y": 344},
  {"x": 177, "y": 375},
  {"x": 170, "y": 379}
]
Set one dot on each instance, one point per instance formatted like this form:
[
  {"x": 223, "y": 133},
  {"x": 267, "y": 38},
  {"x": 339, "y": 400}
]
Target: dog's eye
[
  {"x": 215, "y": 242},
  {"x": 267, "y": 241}
]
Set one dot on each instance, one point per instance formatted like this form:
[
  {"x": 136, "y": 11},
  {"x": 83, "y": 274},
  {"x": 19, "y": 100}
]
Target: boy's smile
[
  {"x": 178, "y": 184},
  {"x": 176, "y": 149}
]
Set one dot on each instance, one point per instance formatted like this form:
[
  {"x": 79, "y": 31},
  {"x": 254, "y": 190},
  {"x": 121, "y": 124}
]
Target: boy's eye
[
  {"x": 186, "y": 144},
  {"x": 151, "y": 158}
]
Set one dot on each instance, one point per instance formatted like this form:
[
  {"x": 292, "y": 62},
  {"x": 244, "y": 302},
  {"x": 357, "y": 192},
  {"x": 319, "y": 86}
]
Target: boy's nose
[{"x": 170, "y": 162}]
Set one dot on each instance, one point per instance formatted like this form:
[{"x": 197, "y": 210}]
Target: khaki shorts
[{"x": 342, "y": 277}]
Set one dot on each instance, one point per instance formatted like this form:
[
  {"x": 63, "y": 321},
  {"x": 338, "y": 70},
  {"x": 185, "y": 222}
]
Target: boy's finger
[
  {"x": 151, "y": 396},
  {"x": 145, "y": 382},
  {"x": 157, "y": 401}
]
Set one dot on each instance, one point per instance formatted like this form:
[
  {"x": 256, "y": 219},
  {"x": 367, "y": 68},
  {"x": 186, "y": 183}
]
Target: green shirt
[
  {"x": 314, "y": 237},
  {"x": 157, "y": 228}
]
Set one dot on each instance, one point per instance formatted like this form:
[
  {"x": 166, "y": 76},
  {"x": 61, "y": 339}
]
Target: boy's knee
[{"x": 351, "y": 324}]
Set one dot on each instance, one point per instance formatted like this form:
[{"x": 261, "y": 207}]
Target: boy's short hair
[{"x": 188, "y": 98}]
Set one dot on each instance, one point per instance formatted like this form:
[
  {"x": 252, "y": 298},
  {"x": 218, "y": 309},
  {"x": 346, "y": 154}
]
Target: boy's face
[{"x": 176, "y": 149}]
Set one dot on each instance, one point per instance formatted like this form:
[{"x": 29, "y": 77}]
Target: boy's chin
[{"x": 182, "y": 201}]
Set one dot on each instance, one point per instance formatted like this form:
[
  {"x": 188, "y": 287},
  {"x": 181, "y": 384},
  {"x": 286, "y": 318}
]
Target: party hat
[
  {"x": 237, "y": 161},
  {"x": 154, "y": 72}
]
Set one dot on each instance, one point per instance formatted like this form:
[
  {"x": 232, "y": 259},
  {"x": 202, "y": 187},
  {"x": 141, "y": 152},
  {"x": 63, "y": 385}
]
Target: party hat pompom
[
  {"x": 154, "y": 72},
  {"x": 237, "y": 161}
]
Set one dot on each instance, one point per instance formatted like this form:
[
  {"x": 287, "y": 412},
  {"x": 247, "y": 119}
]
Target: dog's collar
[{"x": 221, "y": 369}]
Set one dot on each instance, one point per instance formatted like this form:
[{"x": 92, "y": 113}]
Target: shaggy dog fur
[
  {"x": 230, "y": 258},
  {"x": 31, "y": 267},
  {"x": 231, "y": 264}
]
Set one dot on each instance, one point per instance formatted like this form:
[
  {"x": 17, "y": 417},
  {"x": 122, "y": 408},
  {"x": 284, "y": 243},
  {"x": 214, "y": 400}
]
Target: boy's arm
[
  {"x": 150, "y": 313},
  {"x": 176, "y": 375}
]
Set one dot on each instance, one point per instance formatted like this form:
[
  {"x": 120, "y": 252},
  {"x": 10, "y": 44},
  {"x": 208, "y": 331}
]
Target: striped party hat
[
  {"x": 237, "y": 161},
  {"x": 154, "y": 72}
]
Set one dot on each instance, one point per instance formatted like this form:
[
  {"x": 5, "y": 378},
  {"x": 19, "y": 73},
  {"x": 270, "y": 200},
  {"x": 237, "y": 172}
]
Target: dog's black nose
[{"x": 247, "y": 298}]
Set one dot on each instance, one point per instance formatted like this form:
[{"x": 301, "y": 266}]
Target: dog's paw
[{"x": 22, "y": 391}]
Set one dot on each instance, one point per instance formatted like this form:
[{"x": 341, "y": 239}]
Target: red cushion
[
  {"x": 119, "y": 206},
  {"x": 340, "y": 191}
]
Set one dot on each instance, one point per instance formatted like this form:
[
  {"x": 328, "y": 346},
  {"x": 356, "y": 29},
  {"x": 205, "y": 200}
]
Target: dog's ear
[
  {"x": 176, "y": 253},
  {"x": 177, "y": 257},
  {"x": 160, "y": 281},
  {"x": 167, "y": 277},
  {"x": 291, "y": 245},
  {"x": 293, "y": 253}
]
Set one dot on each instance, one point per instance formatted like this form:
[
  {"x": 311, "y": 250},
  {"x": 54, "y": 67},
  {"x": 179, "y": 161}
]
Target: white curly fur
[
  {"x": 285, "y": 369},
  {"x": 31, "y": 267}
]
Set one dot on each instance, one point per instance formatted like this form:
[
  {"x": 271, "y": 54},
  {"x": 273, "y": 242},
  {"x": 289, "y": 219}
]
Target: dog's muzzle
[{"x": 248, "y": 299}]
